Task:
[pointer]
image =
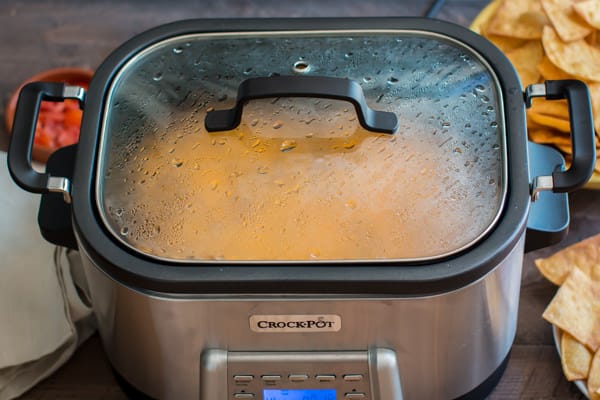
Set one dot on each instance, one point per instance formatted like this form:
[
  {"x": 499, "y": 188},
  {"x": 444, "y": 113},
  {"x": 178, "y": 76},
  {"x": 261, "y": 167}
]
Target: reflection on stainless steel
[{"x": 455, "y": 340}]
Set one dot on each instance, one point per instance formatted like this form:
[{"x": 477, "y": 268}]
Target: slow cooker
[{"x": 317, "y": 209}]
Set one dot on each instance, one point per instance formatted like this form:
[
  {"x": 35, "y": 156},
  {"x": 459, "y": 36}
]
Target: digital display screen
[{"x": 298, "y": 394}]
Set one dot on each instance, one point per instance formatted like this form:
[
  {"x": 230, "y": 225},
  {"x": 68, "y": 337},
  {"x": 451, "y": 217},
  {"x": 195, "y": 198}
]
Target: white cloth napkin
[{"x": 43, "y": 317}]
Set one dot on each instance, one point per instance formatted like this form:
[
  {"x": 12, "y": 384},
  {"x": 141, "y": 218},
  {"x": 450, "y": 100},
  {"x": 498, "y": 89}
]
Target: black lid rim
[{"x": 303, "y": 277}]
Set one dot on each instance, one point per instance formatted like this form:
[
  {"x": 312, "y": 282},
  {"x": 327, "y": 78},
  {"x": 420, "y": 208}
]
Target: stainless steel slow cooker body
[{"x": 436, "y": 327}]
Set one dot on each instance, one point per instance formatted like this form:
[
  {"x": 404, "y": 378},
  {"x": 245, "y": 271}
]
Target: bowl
[{"x": 70, "y": 75}]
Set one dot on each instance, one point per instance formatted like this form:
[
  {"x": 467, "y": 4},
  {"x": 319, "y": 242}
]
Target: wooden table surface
[{"x": 40, "y": 34}]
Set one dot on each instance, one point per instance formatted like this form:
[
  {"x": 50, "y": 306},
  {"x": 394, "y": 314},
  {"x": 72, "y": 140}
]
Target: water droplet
[
  {"x": 124, "y": 231},
  {"x": 263, "y": 170},
  {"x": 214, "y": 184},
  {"x": 494, "y": 124},
  {"x": 119, "y": 212},
  {"x": 254, "y": 122},
  {"x": 157, "y": 77},
  {"x": 177, "y": 162},
  {"x": 247, "y": 71},
  {"x": 446, "y": 124},
  {"x": 315, "y": 253},
  {"x": 458, "y": 150},
  {"x": 348, "y": 55},
  {"x": 492, "y": 181},
  {"x": 367, "y": 79},
  {"x": 351, "y": 204},
  {"x": 277, "y": 124},
  {"x": 210, "y": 109},
  {"x": 349, "y": 145},
  {"x": 288, "y": 145},
  {"x": 496, "y": 146},
  {"x": 178, "y": 50},
  {"x": 485, "y": 99},
  {"x": 480, "y": 88},
  {"x": 490, "y": 108},
  {"x": 392, "y": 80}
]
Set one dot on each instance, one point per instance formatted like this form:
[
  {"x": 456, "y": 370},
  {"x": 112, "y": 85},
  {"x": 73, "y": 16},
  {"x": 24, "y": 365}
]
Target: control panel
[{"x": 334, "y": 375}]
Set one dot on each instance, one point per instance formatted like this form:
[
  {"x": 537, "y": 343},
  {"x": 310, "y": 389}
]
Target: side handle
[
  {"x": 23, "y": 132},
  {"x": 582, "y": 135},
  {"x": 302, "y": 86}
]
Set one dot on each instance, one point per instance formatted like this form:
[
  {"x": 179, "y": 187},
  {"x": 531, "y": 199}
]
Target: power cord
[{"x": 434, "y": 9}]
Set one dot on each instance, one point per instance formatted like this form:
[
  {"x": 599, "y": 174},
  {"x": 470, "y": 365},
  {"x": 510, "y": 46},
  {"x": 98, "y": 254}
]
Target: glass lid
[{"x": 302, "y": 146}]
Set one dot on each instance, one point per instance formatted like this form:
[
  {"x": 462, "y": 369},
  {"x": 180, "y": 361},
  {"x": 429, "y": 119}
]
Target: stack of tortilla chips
[
  {"x": 548, "y": 40},
  {"x": 575, "y": 309}
]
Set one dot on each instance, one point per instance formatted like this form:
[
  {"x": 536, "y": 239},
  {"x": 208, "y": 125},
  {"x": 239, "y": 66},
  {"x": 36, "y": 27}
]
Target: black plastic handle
[
  {"x": 23, "y": 131},
  {"x": 582, "y": 133},
  {"x": 302, "y": 86}
]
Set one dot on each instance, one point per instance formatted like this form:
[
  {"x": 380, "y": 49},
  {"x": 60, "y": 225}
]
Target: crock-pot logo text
[{"x": 295, "y": 323}]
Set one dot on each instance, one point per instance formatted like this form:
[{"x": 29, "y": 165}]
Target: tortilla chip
[
  {"x": 551, "y": 71},
  {"x": 584, "y": 255},
  {"x": 576, "y": 309},
  {"x": 566, "y": 22},
  {"x": 594, "y": 89},
  {"x": 505, "y": 43},
  {"x": 589, "y": 11},
  {"x": 593, "y": 383},
  {"x": 577, "y": 58},
  {"x": 518, "y": 19},
  {"x": 574, "y": 357},
  {"x": 555, "y": 108},
  {"x": 525, "y": 60},
  {"x": 549, "y": 121},
  {"x": 547, "y": 136}
]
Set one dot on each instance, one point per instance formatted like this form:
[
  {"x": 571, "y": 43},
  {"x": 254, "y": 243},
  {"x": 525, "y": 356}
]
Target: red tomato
[{"x": 58, "y": 124}]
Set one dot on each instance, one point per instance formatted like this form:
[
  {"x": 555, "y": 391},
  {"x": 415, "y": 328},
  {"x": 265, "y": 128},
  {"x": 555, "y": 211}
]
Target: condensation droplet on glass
[
  {"x": 490, "y": 108},
  {"x": 124, "y": 231},
  {"x": 214, "y": 184},
  {"x": 263, "y": 170},
  {"x": 446, "y": 124},
  {"x": 178, "y": 50},
  {"x": 210, "y": 109},
  {"x": 367, "y": 79},
  {"x": 119, "y": 212},
  {"x": 480, "y": 88},
  {"x": 492, "y": 181},
  {"x": 392, "y": 80},
  {"x": 485, "y": 99},
  {"x": 288, "y": 145},
  {"x": 494, "y": 124},
  {"x": 254, "y": 122},
  {"x": 177, "y": 162},
  {"x": 351, "y": 204},
  {"x": 277, "y": 124},
  {"x": 157, "y": 77},
  {"x": 247, "y": 71},
  {"x": 348, "y": 55}
]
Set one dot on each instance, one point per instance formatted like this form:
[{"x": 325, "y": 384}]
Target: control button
[
  {"x": 245, "y": 396},
  {"x": 353, "y": 378},
  {"x": 355, "y": 395},
  {"x": 325, "y": 378},
  {"x": 298, "y": 377},
  {"x": 271, "y": 378},
  {"x": 243, "y": 378}
]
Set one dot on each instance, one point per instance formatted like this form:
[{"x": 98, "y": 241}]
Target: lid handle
[
  {"x": 582, "y": 135},
  {"x": 302, "y": 86}
]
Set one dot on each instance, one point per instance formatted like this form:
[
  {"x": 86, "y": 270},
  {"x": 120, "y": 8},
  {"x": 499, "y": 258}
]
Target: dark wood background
[{"x": 39, "y": 34}]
